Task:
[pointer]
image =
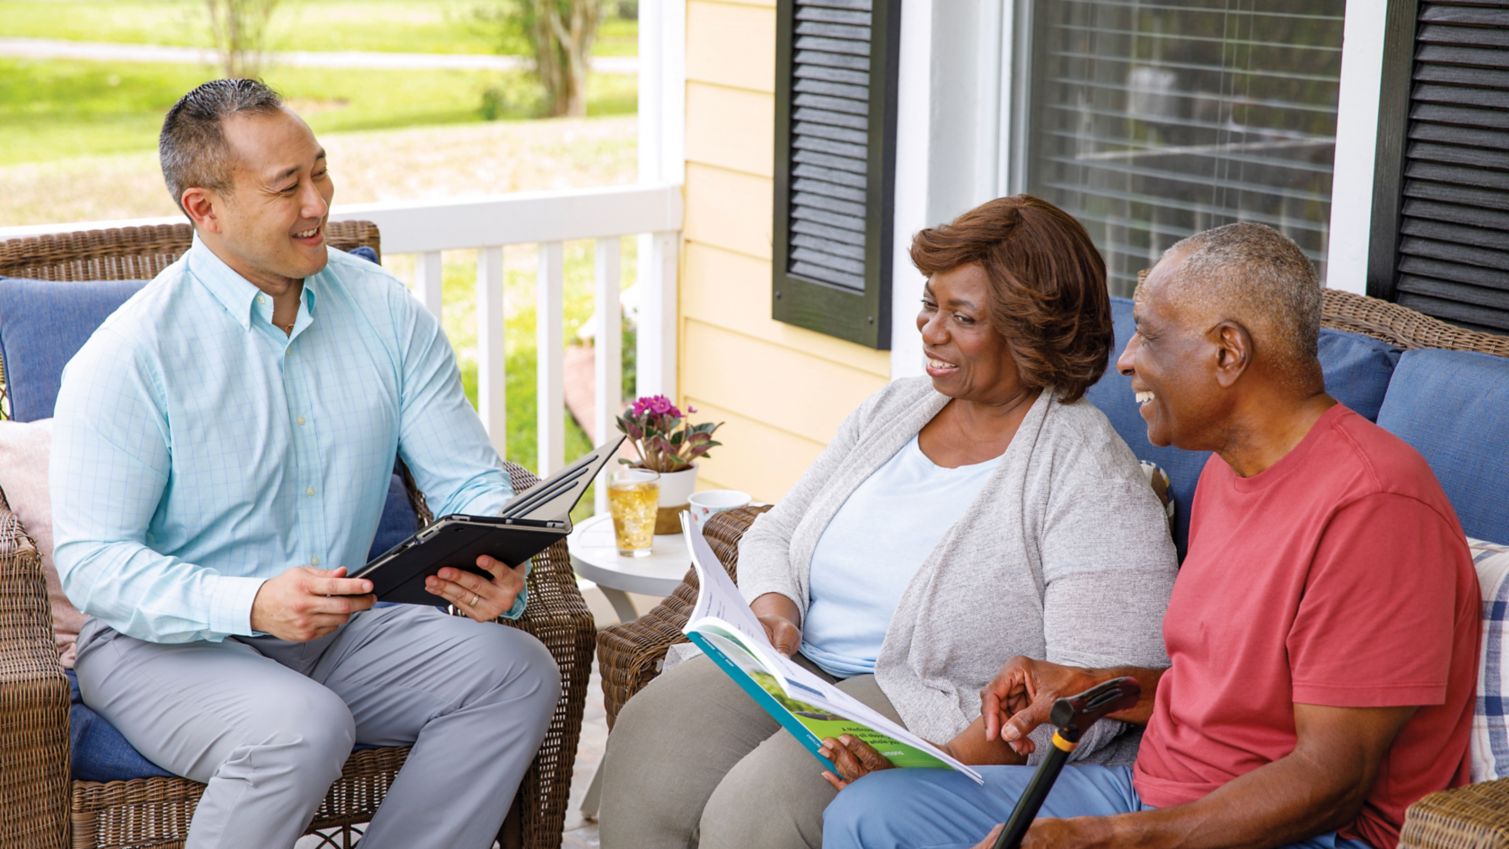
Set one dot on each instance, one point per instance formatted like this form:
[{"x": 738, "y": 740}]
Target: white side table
[{"x": 594, "y": 555}]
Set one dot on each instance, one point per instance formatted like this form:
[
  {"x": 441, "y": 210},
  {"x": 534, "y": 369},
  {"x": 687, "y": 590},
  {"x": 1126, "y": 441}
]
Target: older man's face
[
  {"x": 1171, "y": 360},
  {"x": 273, "y": 221}
]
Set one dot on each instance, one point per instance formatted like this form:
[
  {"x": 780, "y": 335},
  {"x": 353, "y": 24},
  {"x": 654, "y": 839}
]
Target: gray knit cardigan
[{"x": 1064, "y": 555}]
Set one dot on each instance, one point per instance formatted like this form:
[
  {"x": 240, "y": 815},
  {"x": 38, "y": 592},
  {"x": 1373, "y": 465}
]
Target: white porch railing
[{"x": 548, "y": 220}]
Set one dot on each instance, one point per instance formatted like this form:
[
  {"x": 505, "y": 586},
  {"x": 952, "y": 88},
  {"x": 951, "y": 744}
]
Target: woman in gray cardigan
[{"x": 954, "y": 521}]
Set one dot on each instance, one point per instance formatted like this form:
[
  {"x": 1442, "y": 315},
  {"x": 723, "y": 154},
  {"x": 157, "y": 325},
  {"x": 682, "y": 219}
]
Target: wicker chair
[
  {"x": 629, "y": 656},
  {"x": 41, "y": 806}
]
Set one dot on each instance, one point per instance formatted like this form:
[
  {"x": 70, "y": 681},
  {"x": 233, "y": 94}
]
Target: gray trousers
[
  {"x": 267, "y": 724},
  {"x": 693, "y": 761}
]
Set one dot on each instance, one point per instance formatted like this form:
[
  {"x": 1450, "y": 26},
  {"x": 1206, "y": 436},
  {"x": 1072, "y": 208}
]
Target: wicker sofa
[
  {"x": 1472, "y": 817},
  {"x": 42, "y": 806}
]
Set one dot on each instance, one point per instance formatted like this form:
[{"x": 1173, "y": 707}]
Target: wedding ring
[{"x": 475, "y": 598}]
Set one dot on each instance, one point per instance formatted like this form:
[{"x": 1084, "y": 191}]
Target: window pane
[{"x": 1149, "y": 121}]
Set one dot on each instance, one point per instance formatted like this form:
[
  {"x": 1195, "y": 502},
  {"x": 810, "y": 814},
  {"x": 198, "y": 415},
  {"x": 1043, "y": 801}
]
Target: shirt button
[
  {"x": 262, "y": 299},
  {"x": 309, "y": 490},
  {"x": 315, "y": 560},
  {"x": 299, "y": 421}
]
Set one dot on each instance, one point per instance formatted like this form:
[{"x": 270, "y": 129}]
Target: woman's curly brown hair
[{"x": 1047, "y": 287}]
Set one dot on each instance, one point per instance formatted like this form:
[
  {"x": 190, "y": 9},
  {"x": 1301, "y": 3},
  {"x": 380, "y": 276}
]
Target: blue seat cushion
[
  {"x": 43, "y": 323},
  {"x": 1357, "y": 369},
  {"x": 101, "y": 753},
  {"x": 1453, "y": 407}
]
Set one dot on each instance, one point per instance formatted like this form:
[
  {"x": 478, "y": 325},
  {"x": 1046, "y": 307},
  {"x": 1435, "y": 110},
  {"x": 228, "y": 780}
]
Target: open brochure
[{"x": 723, "y": 626}]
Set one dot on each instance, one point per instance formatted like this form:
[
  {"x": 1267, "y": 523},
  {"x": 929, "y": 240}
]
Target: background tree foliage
[
  {"x": 558, "y": 36},
  {"x": 239, "y": 30}
]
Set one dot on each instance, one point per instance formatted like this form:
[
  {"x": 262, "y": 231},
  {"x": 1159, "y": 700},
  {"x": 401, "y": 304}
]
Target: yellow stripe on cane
[{"x": 1061, "y": 743}]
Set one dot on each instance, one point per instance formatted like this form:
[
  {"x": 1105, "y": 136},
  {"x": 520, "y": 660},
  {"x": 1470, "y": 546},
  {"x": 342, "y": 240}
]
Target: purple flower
[{"x": 662, "y": 437}]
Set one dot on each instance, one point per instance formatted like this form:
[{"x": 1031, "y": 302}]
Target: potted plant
[{"x": 665, "y": 441}]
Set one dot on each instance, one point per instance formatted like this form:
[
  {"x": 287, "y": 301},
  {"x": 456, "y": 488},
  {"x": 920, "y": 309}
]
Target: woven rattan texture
[
  {"x": 127, "y": 253},
  {"x": 33, "y": 701},
  {"x": 629, "y": 655},
  {"x": 35, "y": 789}
]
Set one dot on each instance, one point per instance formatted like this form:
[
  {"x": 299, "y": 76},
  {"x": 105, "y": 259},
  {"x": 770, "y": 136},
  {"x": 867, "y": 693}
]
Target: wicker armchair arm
[
  {"x": 629, "y": 655},
  {"x": 34, "y": 763},
  {"x": 1471, "y": 817}
]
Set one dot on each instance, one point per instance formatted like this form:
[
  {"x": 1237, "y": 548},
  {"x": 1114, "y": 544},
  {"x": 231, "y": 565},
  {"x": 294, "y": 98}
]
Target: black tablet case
[{"x": 456, "y": 541}]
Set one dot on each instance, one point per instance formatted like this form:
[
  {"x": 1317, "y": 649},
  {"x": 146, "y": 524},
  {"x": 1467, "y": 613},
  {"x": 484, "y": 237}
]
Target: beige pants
[{"x": 693, "y": 761}]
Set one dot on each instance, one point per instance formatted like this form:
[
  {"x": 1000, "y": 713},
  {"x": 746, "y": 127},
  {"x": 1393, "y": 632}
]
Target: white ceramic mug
[{"x": 708, "y": 503}]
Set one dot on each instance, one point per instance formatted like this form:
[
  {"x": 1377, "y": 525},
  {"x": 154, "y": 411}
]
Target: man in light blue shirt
[{"x": 223, "y": 446}]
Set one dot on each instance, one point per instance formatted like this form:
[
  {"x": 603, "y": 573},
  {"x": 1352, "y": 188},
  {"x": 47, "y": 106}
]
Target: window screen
[{"x": 1149, "y": 121}]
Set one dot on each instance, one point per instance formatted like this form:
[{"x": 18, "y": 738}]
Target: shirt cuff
[
  {"x": 520, "y": 601},
  {"x": 231, "y": 604}
]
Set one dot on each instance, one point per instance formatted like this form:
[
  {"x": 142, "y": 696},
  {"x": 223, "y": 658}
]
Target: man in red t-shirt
[{"x": 1323, "y": 630}]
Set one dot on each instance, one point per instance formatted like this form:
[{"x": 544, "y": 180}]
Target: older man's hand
[
  {"x": 305, "y": 603},
  {"x": 1021, "y": 698},
  {"x": 1075, "y": 833},
  {"x": 479, "y": 598}
]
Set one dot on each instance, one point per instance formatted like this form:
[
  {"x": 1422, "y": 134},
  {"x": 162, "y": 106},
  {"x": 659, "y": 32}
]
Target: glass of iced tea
[{"x": 633, "y": 497}]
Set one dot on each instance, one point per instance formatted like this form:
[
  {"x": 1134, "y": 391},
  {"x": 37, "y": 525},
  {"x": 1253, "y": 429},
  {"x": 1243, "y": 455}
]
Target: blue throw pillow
[
  {"x": 365, "y": 253},
  {"x": 398, "y": 520},
  {"x": 1453, "y": 407},
  {"x": 100, "y": 752},
  {"x": 43, "y": 323},
  {"x": 1113, "y": 395},
  {"x": 1357, "y": 369}
]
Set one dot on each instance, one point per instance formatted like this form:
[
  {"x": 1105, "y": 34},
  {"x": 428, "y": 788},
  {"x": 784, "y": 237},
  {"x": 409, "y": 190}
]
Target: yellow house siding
[
  {"x": 751, "y": 468},
  {"x": 719, "y": 48},
  {"x": 781, "y": 390}
]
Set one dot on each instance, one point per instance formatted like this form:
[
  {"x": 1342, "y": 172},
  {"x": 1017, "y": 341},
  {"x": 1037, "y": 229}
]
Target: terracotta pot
[{"x": 675, "y": 489}]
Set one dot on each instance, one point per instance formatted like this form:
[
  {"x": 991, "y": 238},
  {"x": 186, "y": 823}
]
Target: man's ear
[
  {"x": 203, "y": 208},
  {"x": 1233, "y": 352}
]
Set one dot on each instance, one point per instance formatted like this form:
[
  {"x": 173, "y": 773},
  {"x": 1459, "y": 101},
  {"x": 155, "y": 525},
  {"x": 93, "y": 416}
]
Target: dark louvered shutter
[
  {"x": 834, "y": 147},
  {"x": 1441, "y": 212}
]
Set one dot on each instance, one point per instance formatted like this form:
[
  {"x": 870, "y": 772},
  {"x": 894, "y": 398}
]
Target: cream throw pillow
[{"x": 24, "y": 447}]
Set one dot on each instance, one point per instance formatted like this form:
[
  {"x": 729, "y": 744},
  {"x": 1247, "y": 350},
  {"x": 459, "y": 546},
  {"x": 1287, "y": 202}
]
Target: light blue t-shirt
[{"x": 875, "y": 544}]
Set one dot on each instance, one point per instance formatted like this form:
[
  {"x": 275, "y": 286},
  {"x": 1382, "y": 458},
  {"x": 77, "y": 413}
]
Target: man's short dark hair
[{"x": 192, "y": 144}]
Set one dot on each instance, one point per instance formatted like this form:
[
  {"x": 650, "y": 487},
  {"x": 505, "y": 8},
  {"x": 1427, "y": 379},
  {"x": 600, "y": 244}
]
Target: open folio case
[{"x": 528, "y": 524}]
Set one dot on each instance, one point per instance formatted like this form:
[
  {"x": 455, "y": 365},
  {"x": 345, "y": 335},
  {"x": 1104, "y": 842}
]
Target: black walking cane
[{"x": 1073, "y": 715}]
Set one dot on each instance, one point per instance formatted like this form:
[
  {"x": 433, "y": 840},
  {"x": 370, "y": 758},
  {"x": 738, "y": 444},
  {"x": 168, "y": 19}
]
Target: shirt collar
[{"x": 234, "y": 292}]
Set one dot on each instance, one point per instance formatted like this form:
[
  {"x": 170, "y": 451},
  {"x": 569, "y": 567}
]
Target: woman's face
[{"x": 966, "y": 358}]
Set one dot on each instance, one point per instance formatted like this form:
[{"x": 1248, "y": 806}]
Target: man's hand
[
  {"x": 305, "y": 603},
  {"x": 479, "y": 598},
  {"x": 1021, "y": 698},
  {"x": 1047, "y": 833},
  {"x": 854, "y": 759},
  {"x": 779, "y": 616}
]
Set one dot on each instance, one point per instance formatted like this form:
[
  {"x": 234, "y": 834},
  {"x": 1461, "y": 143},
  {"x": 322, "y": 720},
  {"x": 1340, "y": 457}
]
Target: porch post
[{"x": 662, "y": 130}]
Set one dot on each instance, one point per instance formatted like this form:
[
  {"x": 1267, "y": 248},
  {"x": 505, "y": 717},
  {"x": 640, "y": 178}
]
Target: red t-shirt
[{"x": 1339, "y": 576}]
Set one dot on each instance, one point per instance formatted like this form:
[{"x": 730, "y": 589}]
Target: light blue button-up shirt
[{"x": 199, "y": 451}]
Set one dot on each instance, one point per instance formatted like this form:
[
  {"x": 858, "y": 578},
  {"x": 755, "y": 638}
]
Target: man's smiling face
[
  {"x": 272, "y": 222},
  {"x": 1171, "y": 361}
]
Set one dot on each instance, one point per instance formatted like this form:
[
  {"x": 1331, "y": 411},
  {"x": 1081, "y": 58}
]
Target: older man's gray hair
[
  {"x": 1255, "y": 275},
  {"x": 192, "y": 144}
]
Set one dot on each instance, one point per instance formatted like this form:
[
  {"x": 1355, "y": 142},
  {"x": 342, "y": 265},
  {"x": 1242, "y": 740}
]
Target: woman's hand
[
  {"x": 779, "y": 616},
  {"x": 854, "y": 759}
]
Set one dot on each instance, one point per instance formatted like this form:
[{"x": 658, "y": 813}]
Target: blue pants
[{"x": 942, "y": 809}]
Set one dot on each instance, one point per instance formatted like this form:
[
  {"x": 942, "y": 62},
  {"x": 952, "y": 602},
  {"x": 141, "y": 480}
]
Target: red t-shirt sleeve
[{"x": 1374, "y": 626}]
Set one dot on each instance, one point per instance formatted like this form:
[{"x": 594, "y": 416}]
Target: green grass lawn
[
  {"x": 60, "y": 109},
  {"x": 402, "y": 26}
]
